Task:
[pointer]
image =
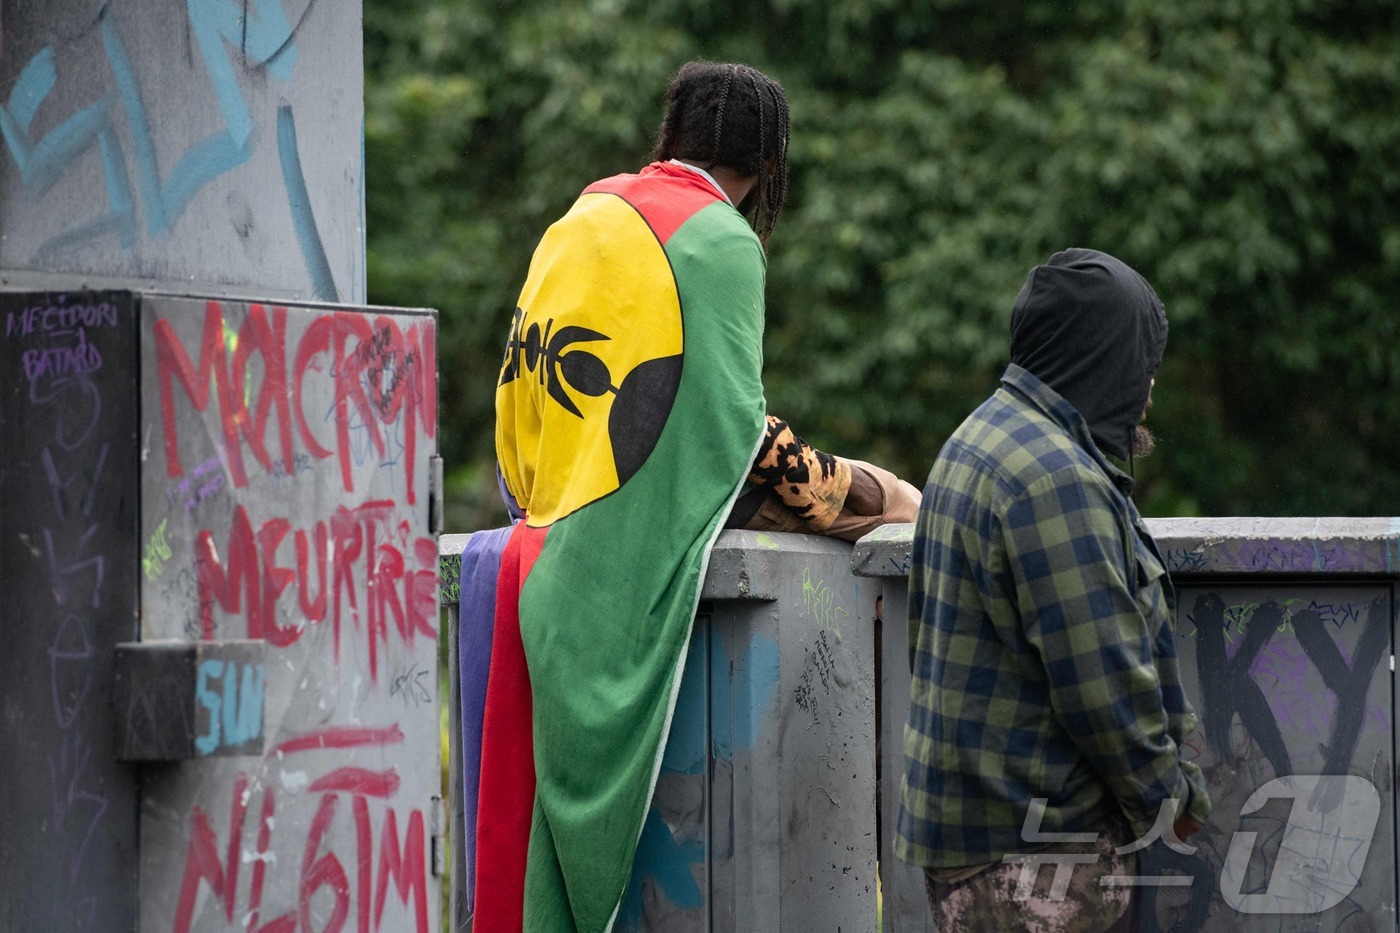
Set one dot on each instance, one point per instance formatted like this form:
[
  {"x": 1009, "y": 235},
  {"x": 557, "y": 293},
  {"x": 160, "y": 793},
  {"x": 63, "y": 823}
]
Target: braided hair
[{"x": 735, "y": 117}]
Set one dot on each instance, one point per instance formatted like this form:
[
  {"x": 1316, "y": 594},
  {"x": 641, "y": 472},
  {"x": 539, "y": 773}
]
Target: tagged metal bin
[
  {"x": 764, "y": 812},
  {"x": 1285, "y": 632}
]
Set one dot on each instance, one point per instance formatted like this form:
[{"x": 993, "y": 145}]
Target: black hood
[{"x": 1093, "y": 330}]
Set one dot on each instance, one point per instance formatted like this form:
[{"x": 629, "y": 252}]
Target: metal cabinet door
[
  {"x": 1290, "y": 680},
  {"x": 285, "y": 499}
]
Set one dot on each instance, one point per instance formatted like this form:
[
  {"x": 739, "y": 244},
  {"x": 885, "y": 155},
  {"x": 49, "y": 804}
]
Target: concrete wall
[
  {"x": 218, "y": 553},
  {"x": 209, "y": 145}
]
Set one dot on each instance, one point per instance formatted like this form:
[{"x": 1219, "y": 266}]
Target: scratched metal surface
[
  {"x": 1279, "y": 703},
  {"x": 906, "y": 903},
  {"x": 68, "y": 494},
  {"x": 213, "y": 146},
  {"x": 284, "y": 496},
  {"x": 1290, "y": 678},
  {"x": 763, "y": 817}
]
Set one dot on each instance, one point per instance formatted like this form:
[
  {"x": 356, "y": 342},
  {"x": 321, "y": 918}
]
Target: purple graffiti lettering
[
  {"x": 70, "y": 431},
  {"x": 68, "y": 770},
  {"x": 59, "y": 317},
  {"x": 56, "y": 362},
  {"x": 60, "y": 487},
  {"x": 62, "y": 573},
  {"x": 71, "y": 676}
]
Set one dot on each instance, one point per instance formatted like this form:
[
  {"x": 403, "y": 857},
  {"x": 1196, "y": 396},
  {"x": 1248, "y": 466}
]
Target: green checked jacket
[{"x": 1044, "y": 663}]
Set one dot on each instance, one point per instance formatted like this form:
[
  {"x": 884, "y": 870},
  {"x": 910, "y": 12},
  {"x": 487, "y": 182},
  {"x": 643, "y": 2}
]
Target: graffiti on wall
[
  {"x": 330, "y": 880},
  {"x": 1282, "y": 688},
  {"x": 64, "y": 437},
  {"x": 287, "y": 490},
  {"x": 72, "y": 556},
  {"x": 105, "y": 106}
]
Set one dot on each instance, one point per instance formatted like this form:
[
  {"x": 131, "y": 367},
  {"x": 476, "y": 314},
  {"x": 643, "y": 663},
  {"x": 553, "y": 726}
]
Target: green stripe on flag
[{"x": 606, "y": 613}]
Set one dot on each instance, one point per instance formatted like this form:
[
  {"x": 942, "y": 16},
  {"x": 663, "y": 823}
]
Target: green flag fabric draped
[{"x": 629, "y": 411}]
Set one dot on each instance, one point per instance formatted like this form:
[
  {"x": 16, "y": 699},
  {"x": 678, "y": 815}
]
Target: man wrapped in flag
[{"x": 630, "y": 416}]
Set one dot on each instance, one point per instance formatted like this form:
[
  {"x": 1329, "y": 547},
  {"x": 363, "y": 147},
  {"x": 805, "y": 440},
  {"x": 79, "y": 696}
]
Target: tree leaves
[{"x": 1240, "y": 155}]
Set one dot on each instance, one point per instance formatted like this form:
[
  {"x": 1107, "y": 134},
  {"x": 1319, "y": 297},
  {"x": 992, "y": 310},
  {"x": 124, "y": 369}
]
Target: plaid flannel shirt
[{"x": 1043, "y": 658}]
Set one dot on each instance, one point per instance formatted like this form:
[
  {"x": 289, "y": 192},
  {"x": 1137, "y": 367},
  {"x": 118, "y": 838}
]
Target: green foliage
[{"x": 1238, "y": 154}]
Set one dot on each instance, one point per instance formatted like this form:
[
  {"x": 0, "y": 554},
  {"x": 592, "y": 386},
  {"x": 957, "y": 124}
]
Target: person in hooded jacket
[{"x": 1047, "y": 712}]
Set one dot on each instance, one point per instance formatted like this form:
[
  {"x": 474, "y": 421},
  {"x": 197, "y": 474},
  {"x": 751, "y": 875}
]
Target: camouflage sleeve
[{"x": 810, "y": 483}]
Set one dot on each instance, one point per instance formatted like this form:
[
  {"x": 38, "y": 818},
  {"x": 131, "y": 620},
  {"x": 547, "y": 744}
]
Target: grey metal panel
[
  {"x": 792, "y": 739},
  {"x": 1279, "y": 545},
  {"x": 883, "y": 555},
  {"x": 1288, "y": 678},
  {"x": 214, "y": 146},
  {"x": 906, "y": 907},
  {"x": 1312, "y": 696},
  {"x": 670, "y": 886},
  {"x": 68, "y": 500},
  {"x": 285, "y": 497}
]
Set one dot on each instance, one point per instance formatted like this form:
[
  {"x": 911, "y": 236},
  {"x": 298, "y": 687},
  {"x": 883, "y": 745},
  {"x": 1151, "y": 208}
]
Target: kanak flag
[{"x": 629, "y": 410}]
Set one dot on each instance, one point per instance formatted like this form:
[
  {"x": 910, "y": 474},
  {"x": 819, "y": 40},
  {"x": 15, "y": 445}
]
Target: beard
[{"x": 1144, "y": 442}]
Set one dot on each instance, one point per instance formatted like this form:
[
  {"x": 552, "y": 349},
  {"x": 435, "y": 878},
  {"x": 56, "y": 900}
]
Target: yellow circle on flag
[{"x": 593, "y": 362}]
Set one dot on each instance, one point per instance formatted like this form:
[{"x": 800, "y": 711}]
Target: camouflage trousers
[{"x": 1023, "y": 897}]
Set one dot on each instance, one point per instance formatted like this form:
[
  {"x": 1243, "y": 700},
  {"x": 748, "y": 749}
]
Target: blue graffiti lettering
[
  {"x": 235, "y": 715},
  {"x": 264, "y": 36}
]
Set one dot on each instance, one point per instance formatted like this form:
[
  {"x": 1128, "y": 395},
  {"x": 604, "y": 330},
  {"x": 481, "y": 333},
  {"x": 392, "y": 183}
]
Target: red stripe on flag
[
  {"x": 507, "y": 795},
  {"x": 655, "y": 195},
  {"x": 359, "y": 781}
]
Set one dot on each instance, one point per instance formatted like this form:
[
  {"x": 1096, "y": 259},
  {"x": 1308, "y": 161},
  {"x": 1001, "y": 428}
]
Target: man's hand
[{"x": 1185, "y": 825}]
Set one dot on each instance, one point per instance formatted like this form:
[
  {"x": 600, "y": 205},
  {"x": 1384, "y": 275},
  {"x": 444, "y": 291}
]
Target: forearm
[{"x": 813, "y": 484}]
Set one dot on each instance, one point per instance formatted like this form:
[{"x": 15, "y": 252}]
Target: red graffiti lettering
[
  {"x": 275, "y": 579},
  {"x": 314, "y": 343},
  {"x": 379, "y": 375},
  {"x": 221, "y": 583},
  {"x": 323, "y": 872},
  {"x": 370, "y": 580},
  {"x": 406, "y": 866},
  {"x": 364, "y": 842},
  {"x": 312, "y": 608},
  {"x": 359, "y": 781},
  {"x": 270, "y": 343},
  {"x": 201, "y": 864},
  {"x": 341, "y": 737},
  {"x": 172, "y": 362},
  {"x": 400, "y": 865},
  {"x": 255, "y": 895}
]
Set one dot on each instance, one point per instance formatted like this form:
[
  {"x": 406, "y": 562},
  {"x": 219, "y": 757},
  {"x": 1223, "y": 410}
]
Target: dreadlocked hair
[{"x": 735, "y": 117}]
